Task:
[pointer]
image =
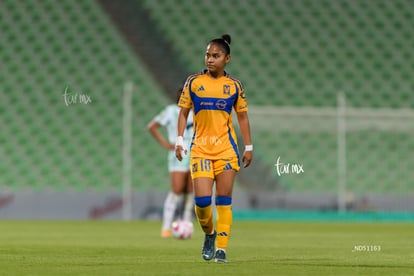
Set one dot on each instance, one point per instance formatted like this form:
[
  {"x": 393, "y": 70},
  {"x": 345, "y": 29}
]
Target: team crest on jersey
[{"x": 226, "y": 89}]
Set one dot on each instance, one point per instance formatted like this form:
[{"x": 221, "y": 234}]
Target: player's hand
[
  {"x": 247, "y": 158},
  {"x": 179, "y": 150}
]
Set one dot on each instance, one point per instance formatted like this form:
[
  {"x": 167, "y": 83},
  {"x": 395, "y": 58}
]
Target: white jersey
[{"x": 168, "y": 118}]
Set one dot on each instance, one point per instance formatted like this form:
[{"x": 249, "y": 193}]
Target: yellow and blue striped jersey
[{"x": 212, "y": 101}]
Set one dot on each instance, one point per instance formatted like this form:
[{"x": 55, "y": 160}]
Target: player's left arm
[{"x": 244, "y": 124}]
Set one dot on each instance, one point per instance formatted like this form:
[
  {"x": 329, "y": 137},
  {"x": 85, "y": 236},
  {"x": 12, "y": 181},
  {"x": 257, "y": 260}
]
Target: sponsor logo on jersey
[{"x": 221, "y": 104}]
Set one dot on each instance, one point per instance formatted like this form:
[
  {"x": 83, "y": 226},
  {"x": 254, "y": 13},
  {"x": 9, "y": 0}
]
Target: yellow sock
[
  {"x": 205, "y": 218},
  {"x": 224, "y": 222}
]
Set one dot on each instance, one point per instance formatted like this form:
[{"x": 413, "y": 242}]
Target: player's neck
[{"x": 215, "y": 75}]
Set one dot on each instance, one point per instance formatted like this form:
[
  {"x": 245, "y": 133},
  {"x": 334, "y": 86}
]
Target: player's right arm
[
  {"x": 181, "y": 125},
  {"x": 185, "y": 103}
]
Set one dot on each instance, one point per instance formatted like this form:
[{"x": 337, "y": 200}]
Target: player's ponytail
[
  {"x": 224, "y": 41},
  {"x": 226, "y": 38}
]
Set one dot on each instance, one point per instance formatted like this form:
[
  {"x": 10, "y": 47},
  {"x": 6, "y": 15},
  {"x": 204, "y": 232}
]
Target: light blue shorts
[{"x": 178, "y": 166}]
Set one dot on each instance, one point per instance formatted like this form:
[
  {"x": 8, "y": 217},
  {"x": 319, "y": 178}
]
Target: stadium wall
[{"x": 53, "y": 205}]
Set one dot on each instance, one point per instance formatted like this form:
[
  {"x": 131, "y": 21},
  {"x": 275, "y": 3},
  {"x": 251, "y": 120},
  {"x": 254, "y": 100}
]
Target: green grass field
[{"x": 256, "y": 248}]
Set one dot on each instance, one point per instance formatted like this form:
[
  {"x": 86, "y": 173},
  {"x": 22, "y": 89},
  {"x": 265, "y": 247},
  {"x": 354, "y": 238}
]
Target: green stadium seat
[
  {"x": 54, "y": 146},
  {"x": 287, "y": 53}
]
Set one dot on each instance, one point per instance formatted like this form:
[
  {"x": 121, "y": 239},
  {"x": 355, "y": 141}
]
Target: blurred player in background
[
  {"x": 181, "y": 186},
  {"x": 214, "y": 154}
]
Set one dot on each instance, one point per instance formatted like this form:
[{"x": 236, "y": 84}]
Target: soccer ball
[{"x": 182, "y": 230}]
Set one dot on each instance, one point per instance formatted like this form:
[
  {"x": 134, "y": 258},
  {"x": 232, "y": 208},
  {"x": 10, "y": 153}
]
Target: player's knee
[
  {"x": 223, "y": 200},
  {"x": 177, "y": 189},
  {"x": 202, "y": 201}
]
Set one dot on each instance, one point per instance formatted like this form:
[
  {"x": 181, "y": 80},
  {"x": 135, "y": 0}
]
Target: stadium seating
[
  {"x": 287, "y": 53},
  {"x": 302, "y": 53},
  {"x": 47, "y": 48}
]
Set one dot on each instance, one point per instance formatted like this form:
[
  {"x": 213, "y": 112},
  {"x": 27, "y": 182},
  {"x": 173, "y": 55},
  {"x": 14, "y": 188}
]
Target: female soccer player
[
  {"x": 214, "y": 155},
  {"x": 181, "y": 187}
]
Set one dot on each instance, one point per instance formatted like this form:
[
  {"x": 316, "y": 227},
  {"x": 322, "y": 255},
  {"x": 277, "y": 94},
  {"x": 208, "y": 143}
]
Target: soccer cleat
[
  {"x": 166, "y": 233},
  {"x": 220, "y": 256},
  {"x": 208, "y": 247}
]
